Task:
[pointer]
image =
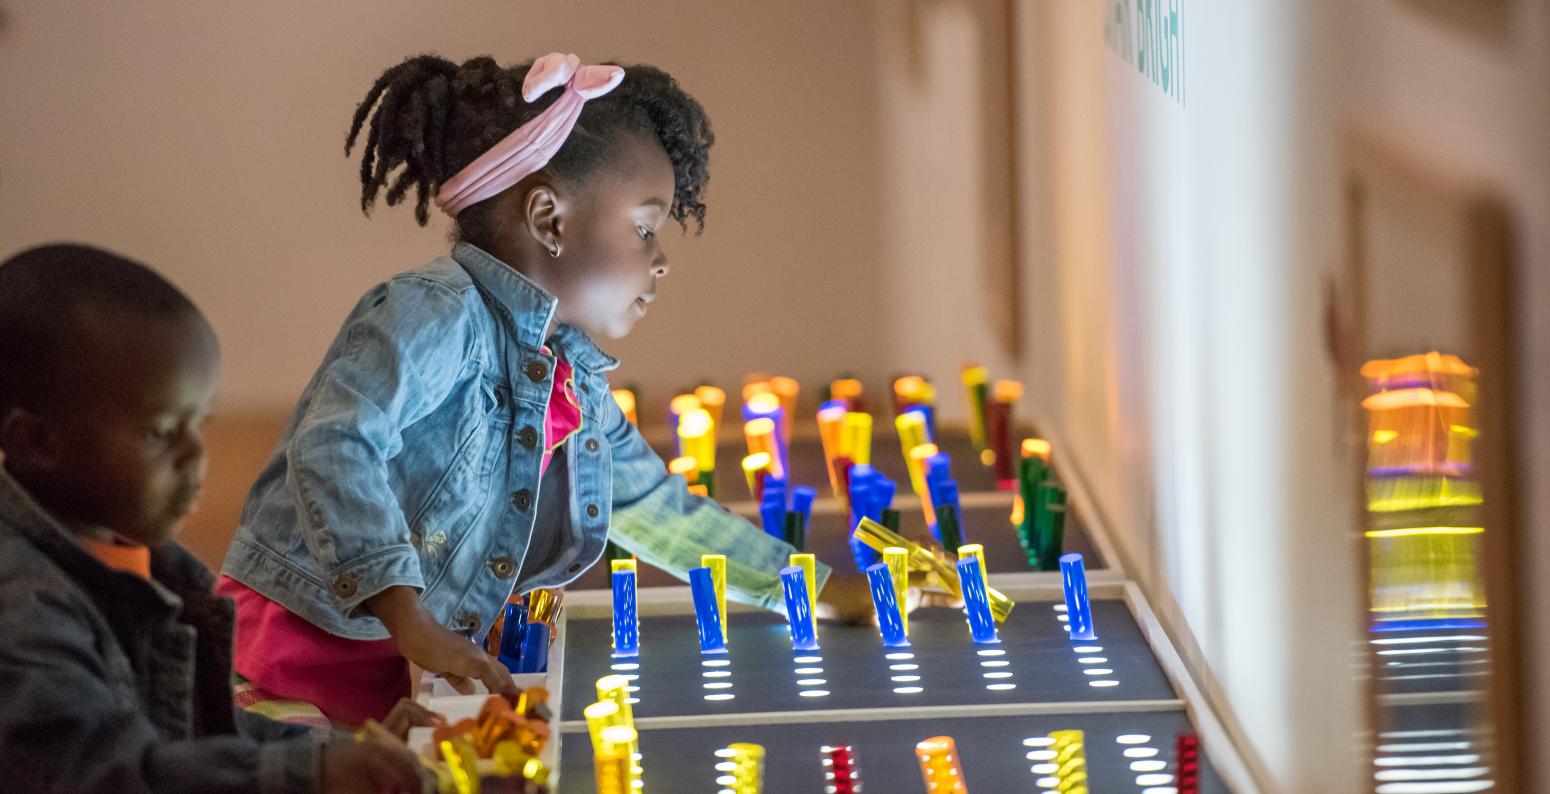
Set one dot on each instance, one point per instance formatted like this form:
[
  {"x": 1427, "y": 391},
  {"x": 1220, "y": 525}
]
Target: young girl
[{"x": 459, "y": 441}]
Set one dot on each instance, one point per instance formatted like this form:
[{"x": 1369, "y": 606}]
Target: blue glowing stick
[
  {"x": 793, "y": 583},
  {"x": 976, "y": 602},
  {"x": 1079, "y": 615},
  {"x": 707, "y": 615},
  {"x": 626, "y": 616},
  {"x": 889, "y": 620},
  {"x": 535, "y": 649},
  {"x": 802, "y": 502}
]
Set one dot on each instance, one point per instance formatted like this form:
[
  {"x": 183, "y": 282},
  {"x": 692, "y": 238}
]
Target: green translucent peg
[
  {"x": 1049, "y": 558},
  {"x": 947, "y": 524},
  {"x": 796, "y": 534},
  {"x": 1043, "y": 526},
  {"x": 613, "y": 552},
  {"x": 707, "y": 479},
  {"x": 890, "y": 519}
]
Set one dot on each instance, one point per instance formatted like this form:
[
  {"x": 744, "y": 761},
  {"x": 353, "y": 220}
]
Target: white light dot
[
  {"x": 1098, "y": 671},
  {"x": 726, "y": 752},
  {"x": 715, "y": 662},
  {"x": 808, "y": 659},
  {"x": 1059, "y": 607},
  {"x": 1062, "y": 618},
  {"x": 1045, "y": 769},
  {"x": 726, "y": 780},
  {"x": 630, "y": 676},
  {"x": 1038, "y": 741},
  {"x": 720, "y": 696},
  {"x": 1065, "y": 627},
  {"x": 1093, "y": 659},
  {"x": 899, "y": 655},
  {"x": 997, "y": 674},
  {"x": 905, "y": 666},
  {"x": 1106, "y": 682},
  {"x": 1041, "y": 755},
  {"x": 632, "y": 700},
  {"x": 726, "y": 766},
  {"x": 814, "y": 693},
  {"x": 1132, "y": 738},
  {"x": 1160, "y": 790},
  {"x": 1000, "y": 687},
  {"x": 1140, "y": 752},
  {"x": 808, "y": 670},
  {"x": 991, "y": 652},
  {"x": 1148, "y": 766},
  {"x": 903, "y": 679},
  {"x": 632, "y": 689},
  {"x": 624, "y": 666},
  {"x": 1153, "y": 780},
  {"x": 1047, "y": 782},
  {"x": 994, "y": 663},
  {"x": 907, "y": 690},
  {"x": 811, "y": 682},
  {"x": 1088, "y": 649},
  {"x": 716, "y": 673}
]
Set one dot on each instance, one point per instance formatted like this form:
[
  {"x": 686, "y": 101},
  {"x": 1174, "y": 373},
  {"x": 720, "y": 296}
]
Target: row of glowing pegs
[
  {"x": 695, "y": 417},
  {"x": 991, "y": 420},
  {"x": 741, "y": 767},
  {"x": 941, "y": 768},
  {"x": 615, "y": 741},
  {"x": 708, "y": 587},
  {"x": 841, "y": 775}
]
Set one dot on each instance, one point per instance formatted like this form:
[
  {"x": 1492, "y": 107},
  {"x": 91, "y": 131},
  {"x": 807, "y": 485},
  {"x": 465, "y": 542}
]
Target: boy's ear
[
  {"x": 27, "y": 440},
  {"x": 544, "y": 211}
]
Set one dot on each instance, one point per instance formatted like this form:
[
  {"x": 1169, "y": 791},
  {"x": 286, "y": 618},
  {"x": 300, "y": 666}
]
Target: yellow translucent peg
[
  {"x": 1036, "y": 448},
  {"x": 686, "y": 467},
  {"x": 879, "y": 538},
  {"x": 917, "y": 463},
  {"x": 683, "y": 404},
  {"x": 912, "y": 433},
  {"x": 614, "y": 760},
  {"x": 809, "y": 566},
  {"x": 940, "y": 767},
  {"x": 462, "y": 765},
  {"x": 752, "y": 466},
  {"x": 830, "y": 425},
  {"x": 713, "y": 400},
  {"x": 760, "y": 434},
  {"x": 615, "y": 566},
  {"x": 898, "y": 561},
  {"x": 717, "y": 563},
  {"x": 978, "y": 552},
  {"x": 856, "y": 437},
  {"x": 600, "y": 715},
  {"x": 1070, "y": 761},
  {"x": 697, "y": 438},
  {"x": 743, "y": 770},
  {"x": 626, "y": 401},
  {"x": 615, "y": 689},
  {"x": 543, "y": 606}
]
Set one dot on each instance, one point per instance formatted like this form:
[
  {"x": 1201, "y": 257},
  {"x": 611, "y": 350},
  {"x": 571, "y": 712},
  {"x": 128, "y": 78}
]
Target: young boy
[{"x": 115, "y": 662}]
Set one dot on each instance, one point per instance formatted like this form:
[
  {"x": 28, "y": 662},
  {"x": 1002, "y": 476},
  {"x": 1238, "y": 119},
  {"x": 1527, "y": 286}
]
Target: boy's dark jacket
[{"x": 111, "y": 683}]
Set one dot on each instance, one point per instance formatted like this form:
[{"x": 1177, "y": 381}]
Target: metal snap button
[
  {"x": 592, "y": 445},
  {"x": 527, "y": 437},
  {"x": 585, "y": 388},
  {"x": 504, "y": 567},
  {"x": 345, "y": 585},
  {"x": 574, "y": 567},
  {"x": 523, "y": 499},
  {"x": 536, "y": 371},
  {"x": 469, "y": 622},
  {"x": 592, "y": 511}
]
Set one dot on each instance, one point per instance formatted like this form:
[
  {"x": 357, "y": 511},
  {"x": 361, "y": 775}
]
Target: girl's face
[{"x": 610, "y": 259}]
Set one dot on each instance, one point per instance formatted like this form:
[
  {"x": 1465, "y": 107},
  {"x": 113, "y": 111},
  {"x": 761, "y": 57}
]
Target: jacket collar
[{"x": 528, "y": 309}]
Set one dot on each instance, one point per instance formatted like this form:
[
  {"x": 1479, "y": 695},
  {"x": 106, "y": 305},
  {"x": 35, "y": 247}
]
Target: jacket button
[
  {"x": 469, "y": 622},
  {"x": 523, "y": 499},
  {"x": 345, "y": 585},
  {"x": 592, "y": 511},
  {"x": 536, "y": 371},
  {"x": 528, "y": 437},
  {"x": 592, "y": 445},
  {"x": 574, "y": 567},
  {"x": 504, "y": 567},
  {"x": 585, "y": 388}
]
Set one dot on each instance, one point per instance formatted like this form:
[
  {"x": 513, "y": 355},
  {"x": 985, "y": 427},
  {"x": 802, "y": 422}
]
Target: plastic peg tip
[
  {"x": 1079, "y": 616},
  {"x": 793, "y": 584},
  {"x": 890, "y": 621},
  {"x": 707, "y": 618},
  {"x": 976, "y": 602},
  {"x": 626, "y": 615}
]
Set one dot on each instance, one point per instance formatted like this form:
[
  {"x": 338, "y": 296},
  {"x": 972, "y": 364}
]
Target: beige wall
[{"x": 207, "y": 139}]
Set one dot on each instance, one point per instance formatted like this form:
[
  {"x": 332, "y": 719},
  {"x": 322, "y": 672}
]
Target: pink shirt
[{"x": 349, "y": 680}]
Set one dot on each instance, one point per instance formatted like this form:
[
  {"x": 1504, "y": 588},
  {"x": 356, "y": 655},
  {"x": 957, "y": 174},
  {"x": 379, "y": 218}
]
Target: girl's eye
[{"x": 645, "y": 233}]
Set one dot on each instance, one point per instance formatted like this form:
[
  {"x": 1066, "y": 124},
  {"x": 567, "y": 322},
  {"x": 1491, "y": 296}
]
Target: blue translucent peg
[
  {"x": 626, "y": 616},
  {"x": 707, "y": 616},
  {"x": 1079, "y": 614},
  {"x": 802, "y": 502},
  {"x": 793, "y": 583},
  {"x": 535, "y": 649},
  {"x": 510, "y": 650},
  {"x": 929, "y": 412},
  {"x": 976, "y": 602},
  {"x": 772, "y": 512},
  {"x": 889, "y": 619}
]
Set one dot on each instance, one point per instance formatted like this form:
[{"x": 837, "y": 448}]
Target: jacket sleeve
[
  {"x": 63, "y": 728},
  {"x": 658, "y": 520},
  {"x": 403, "y": 354}
]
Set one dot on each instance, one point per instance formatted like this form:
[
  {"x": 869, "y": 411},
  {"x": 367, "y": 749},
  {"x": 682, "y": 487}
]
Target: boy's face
[
  {"x": 125, "y": 450},
  {"x": 611, "y": 256}
]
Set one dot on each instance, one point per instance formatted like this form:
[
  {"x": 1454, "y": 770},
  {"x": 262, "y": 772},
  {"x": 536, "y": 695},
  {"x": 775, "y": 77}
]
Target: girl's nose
[{"x": 659, "y": 266}]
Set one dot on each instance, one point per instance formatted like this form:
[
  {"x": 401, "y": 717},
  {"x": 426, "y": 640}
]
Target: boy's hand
[
  {"x": 435, "y": 647},
  {"x": 370, "y": 767},
  {"x": 408, "y": 714},
  {"x": 847, "y": 598}
]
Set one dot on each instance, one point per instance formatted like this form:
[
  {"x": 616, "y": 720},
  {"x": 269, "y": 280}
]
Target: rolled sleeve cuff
[
  {"x": 290, "y": 765},
  {"x": 353, "y": 582}
]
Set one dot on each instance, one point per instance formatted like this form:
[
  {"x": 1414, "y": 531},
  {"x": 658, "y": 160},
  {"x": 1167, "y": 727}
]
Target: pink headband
[{"x": 532, "y": 145}]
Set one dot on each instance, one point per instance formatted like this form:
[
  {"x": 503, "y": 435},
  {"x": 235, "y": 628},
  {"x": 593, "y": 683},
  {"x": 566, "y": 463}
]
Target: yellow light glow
[
  {"x": 1413, "y": 531},
  {"x": 712, "y": 400},
  {"x": 626, "y": 401},
  {"x": 1410, "y": 398},
  {"x": 1384, "y": 436},
  {"x": 1036, "y": 448},
  {"x": 1007, "y": 391},
  {"x": 686, "y": 466},
  {"x": 684, "y": 403},
  {"x": 856, "y": 437}
]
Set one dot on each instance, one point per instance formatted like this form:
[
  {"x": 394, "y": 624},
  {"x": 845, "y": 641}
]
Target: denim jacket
[
  {"x": 112, "y": 683},
  {"x": 413, "y": 459}
]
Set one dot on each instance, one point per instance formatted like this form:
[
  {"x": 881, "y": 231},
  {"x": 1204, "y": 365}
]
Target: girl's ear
[{"x": 543, "y": 212}]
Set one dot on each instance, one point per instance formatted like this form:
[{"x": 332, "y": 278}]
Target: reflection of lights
[
  {"x": 715, "y": 662},
  {"x": 811, "y": 682},
  {"x": 1417, "y": 640},
  {"x": 991, "y": 652},
  {"x": 995, "y": 663},
  {"x": 1140, "y": 752},
  {"x": 1044, "y": 769},
  {"x": 1460, "y": 787},
  {"x": 1098, "y": 671},
  {"x": 1418, "y": 651},
  {"x": 997, "y": 674},
  {"x": 903, "y": 679},
  {"x": 717, "y": 673},
  {"x": 1047, "y": 782},
  {"x": 808, "y": 670},
  {"x": 1132, "y": 738},
  {"x": 1092, "y": 659},
  {"x": 808, "y": 659},
  {"x": 907, "y": 690},
  {"x": 907, "y": 666},
  {"x": 1000, "y": 687},
  {"x": 624, "y": 666},
  {"x": 814, "y": 693},
  {"x": 1405, "y": 532},
  {"x": 1430, "y": 774},
  {"x": 1160, "y": 790},
  {"x": 1038, "y": 741},
  {"x": 718, "y": 684},
  {"x": 1154, "y": 779},
  {"x": 1106, "y": 682},
  {"x": 1041, "y": 755},
  {"x": 899, "y": 655},
  {"x": 720, "y": 696},
  {"x": 1422, "y": 747},
  {"x": 1088, "y": 649},
  {"x": 1426, "y": 760},
  {"x": 1148, "y": 766}
]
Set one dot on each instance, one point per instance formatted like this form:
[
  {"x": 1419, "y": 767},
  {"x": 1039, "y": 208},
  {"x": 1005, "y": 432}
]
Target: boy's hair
[
  {"x": 436, "y": 117},
  {"x": 46, "y": 295}
]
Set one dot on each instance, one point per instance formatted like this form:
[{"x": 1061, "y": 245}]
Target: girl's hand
[
  {"x": 408, "y": 714},
  {"x": 435, "y": 647},
  {"x": 370, "y": 767}
]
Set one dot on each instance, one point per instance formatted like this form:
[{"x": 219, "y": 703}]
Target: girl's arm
[{"x": 657, "y": 519}]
